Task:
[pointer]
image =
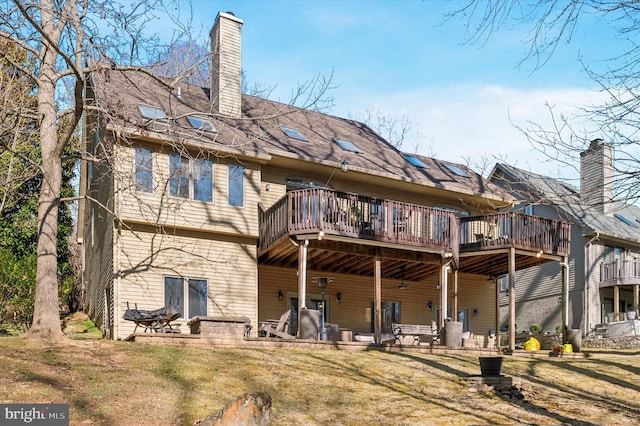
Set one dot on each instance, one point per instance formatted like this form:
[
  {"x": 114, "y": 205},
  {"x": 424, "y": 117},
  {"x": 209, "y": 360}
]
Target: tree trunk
[{"x": 46, "y": 314}]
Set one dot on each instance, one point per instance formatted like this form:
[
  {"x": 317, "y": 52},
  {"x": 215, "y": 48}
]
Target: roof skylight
[
  {"x": 347, "y": 146},
  {"x": 152, "y": 113},
  {"x": 457, "y": 170},
  {"x": 625, "y": 220},
  {"x": 415, "y": 161},
  {"x": 201, "y": 123},
  {"x": 294, "y": 134}
]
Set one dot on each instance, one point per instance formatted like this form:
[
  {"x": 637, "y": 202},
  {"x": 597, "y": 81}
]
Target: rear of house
[{"x": 228, "y": 205}]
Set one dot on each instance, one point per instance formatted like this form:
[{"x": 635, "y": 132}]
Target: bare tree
[
  {"x": 550, "y": 24},
  {"x": 64, "y": 42},
  {"x": 188, "y": 59},
  {"x": 59, "y": 38}
]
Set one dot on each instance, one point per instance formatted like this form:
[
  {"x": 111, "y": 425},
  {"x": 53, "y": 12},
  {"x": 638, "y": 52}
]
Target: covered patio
[{"x": 341, "y": 233}]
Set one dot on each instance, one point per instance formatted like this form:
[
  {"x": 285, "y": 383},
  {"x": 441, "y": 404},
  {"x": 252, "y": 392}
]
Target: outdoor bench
[{"x": 414, "y": 330}]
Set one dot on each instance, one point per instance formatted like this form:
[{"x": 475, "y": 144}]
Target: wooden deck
[
  {"x": 311, "y": 211},
  {"x": 415, "y": 230}
]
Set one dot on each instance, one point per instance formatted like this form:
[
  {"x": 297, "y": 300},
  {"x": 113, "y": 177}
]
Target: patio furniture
[
  {"x": 370, "y": 337},
  {"x": 158, "y": 320},
  {"x": 414, "y": 330},
  {"x": 276, "y": 328}
]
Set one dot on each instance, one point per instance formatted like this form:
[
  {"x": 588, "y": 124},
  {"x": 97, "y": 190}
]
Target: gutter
[{"x": 587, "y": 284}]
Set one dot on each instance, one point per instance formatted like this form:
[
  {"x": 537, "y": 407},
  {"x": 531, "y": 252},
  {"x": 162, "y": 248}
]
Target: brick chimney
[
  {"x": 226, "y": 65},
  {"x": 596, "y": 176}
]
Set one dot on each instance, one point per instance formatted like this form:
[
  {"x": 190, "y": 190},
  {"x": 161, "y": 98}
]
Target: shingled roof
[
  {"x": 258, "y": 133},
  {"x": 623, "y": 221}
]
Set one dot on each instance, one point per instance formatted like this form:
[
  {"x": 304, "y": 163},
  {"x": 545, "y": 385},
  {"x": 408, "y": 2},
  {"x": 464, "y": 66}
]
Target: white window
[
  {"x": 190, "y": 178},
  {"x": 188, "y": 294},
  {"x": 144, "y": 170},
  {"x": 236, "y": 185}
]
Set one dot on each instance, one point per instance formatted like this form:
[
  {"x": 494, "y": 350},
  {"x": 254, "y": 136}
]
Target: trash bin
[
  {"x": 453, "y": 333},
  {"x": 574, "y": 337},
  {"x": 309, "y": 324}
]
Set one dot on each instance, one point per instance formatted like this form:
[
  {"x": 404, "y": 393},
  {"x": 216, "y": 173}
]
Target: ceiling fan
[{"x": 402, "y": 284}]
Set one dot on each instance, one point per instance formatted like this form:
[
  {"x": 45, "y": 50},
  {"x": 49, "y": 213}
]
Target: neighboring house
[
  {"x": 230, "y": 205},
  {"x": 605, "y": 245}
]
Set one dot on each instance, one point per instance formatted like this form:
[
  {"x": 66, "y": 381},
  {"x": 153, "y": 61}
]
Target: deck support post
[
  {"x": 512, "y": 299},
  {"x": 443, "y": 293},
  {"x": 565, "y": 296},
  {"x": 616, "y": 303},
  {"x": 302, "y": 279},
  {"x": 636, "y": 296},
  {"x": 455, "y": 295},
  {"x": 498, "y": 337},
  {"x": 377, "y": 299}
]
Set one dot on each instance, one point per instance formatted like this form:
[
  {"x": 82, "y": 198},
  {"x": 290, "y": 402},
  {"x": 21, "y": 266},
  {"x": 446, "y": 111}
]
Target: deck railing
[
  {"x": 515, "y": 230},
  {"x": 311, "y": 211},
  {"x": 620, "y": 272},
  {"x": 322, "y": 211}
]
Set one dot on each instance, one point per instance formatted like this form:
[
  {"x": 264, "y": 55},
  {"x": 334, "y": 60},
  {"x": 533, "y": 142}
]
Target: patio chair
[
  {"x": 276, "y": 328},
  {"x": 158, "y": 320}
]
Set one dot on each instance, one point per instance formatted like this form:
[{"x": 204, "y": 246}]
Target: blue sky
[{"x": 403, "y": 58}]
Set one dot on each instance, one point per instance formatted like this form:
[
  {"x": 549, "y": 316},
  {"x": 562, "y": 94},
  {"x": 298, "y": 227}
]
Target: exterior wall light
[
  {"x": 280, "y": 295},
  {"x": 338, "y": 297}
]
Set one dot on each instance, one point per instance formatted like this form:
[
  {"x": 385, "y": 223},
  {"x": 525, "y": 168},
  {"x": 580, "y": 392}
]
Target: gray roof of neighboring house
[
  {"x": 258, "y": 132},
  {"x": 622, "y": 221}
]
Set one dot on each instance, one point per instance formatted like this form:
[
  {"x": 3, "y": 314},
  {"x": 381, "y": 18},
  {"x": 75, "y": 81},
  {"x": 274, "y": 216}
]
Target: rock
[{"x": 249, "y": 409}]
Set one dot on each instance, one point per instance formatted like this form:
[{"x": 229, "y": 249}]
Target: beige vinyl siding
[
  {"x": 228, "y": 265},
  {"x": 357, "y": 293},
  {"x": 277, "y": 188},
  {"x": 476, "y": 292},
  {"x": 161, "y": 209}
]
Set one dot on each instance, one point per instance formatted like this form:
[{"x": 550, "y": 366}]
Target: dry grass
[{"x": 119, "y": 383}]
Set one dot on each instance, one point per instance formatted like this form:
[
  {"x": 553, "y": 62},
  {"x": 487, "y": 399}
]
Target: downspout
[{"x": 587, "y": 285}]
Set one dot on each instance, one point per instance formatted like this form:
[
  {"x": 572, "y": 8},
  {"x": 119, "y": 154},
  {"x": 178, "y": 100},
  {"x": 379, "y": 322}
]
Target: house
[
  {"x": 230, "y": 205},
  {"x": 605, "y": 245}
]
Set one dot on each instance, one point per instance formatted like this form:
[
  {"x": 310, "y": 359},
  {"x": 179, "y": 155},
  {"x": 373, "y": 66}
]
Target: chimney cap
[
  {"x": 229, "y": 15},
  {"x": 595, "y": 145}
]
